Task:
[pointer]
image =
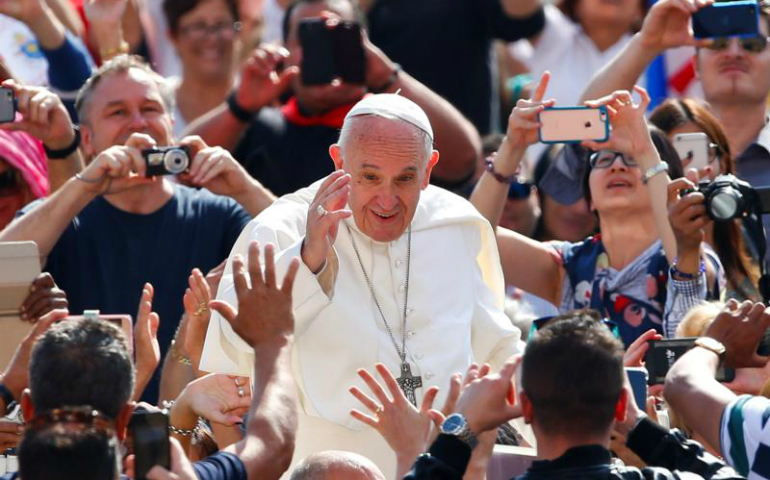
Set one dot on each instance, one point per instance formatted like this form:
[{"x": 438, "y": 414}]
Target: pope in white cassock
[{"x": 393, "y": 270}]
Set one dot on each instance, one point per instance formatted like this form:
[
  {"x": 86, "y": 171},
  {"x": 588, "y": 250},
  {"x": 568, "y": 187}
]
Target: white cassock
[{"x": 454, "y": 318}]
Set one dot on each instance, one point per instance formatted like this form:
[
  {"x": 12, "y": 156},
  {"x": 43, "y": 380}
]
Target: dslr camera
[
  {"x": 166, "y": 160},
  {"x": 728, "y": 197}
]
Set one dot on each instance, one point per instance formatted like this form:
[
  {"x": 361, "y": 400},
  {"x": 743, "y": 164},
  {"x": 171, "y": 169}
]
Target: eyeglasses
[
  {"x": 540, "y": 323},
  {"x": 519, "y": 190},
  {"x": 198, "y": 31},
  {"x": 750, "y": 44},
  {"x": 605, "y": 159},
  {"x": 9, "y": 183}
]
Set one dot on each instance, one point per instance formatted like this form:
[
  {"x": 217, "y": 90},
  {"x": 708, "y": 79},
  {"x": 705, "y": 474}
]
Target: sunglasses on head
[
  {"x": 749, "y": 44},
  {"x": 605, "y": 159},
  {"x": 540, "y": 323}
]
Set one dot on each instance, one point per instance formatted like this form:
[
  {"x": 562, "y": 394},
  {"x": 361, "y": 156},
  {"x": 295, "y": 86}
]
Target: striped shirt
[{"x": 745, "y": 436}]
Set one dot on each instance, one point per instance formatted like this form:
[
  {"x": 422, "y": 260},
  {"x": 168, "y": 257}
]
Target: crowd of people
[{"x": 384, "y": 274}]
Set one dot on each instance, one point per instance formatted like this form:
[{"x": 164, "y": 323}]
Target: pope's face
[{"x": 387, "y": 162}]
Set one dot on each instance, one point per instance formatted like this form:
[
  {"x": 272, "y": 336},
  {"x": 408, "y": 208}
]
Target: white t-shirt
[
  {"x": 21, "y": 53},
  {"x": 745, "y": 436}
]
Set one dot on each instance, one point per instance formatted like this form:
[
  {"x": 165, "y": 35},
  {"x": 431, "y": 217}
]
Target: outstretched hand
[
  {"x": 491, "y": 400},
  {"x": 667, "y": 25},
  {"x": 264, "y": 312},
  {"x": 323, "y": 219},
  {"x": 146, "y": 341},
  {"x": 401, "y": 424},
  {"x": 740, "y": 328},
  {"x": 523, "y": 125}
]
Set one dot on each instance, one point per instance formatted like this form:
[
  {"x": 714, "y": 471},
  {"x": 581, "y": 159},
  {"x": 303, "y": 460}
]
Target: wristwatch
[
  {"x": 457, "y": 426},
  {"x": 654, "y": 170},
  {"x": 711, "y": 344}
]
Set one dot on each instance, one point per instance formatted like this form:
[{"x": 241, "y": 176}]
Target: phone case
[
  {"x": 7, "y": 105},
  {"x": 317, "y": 65},
  {"x": 573, "y": 125},
  {"x": 662, "y": 354},
  {"x": 694, "y": 146},
  {"x": 637, "y": 377},
  {"x": 151, "y": 446},
  {"x": 727, "y": 19}
]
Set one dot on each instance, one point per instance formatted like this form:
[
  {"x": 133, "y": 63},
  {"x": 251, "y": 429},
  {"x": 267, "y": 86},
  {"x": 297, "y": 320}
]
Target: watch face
[{"x": 453, "y": 423}]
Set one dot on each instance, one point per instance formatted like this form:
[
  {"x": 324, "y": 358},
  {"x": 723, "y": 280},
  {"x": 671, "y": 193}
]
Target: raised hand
[
  {"x": 105, "y": 11},
  {"x": 43, "y": 297},
  {"x": 146, "y": 344},
  {"x": 323, "y": 219},
  {"x": 264, "y": 314},
  {"x": 44, "y": 116},
  {"x": 261, "y": 82},
  {"x": 197, "y": 300},
  {"x": 634, "y": 356},
  {"x": 23, "y": 10},
  {"x": 523, "y": 125},
  {"x": 667, "y": 24},
  {"x": 740, "y": 328},
  {"x": 630, "y": 134},
  {"x": 401, "y": 424},
  {"x": 490, "y": 400},
  {"x": 688, "y": 218}
]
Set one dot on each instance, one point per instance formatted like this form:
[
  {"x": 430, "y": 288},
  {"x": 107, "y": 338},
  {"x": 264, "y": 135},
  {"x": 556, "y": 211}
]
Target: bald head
[
  {"x": 336, "y": 465},
  {"x": 387, "y": 132}
]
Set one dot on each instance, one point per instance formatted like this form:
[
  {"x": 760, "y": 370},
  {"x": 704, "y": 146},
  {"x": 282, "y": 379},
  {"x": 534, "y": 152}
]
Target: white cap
[{"x": 394, "y": 106}]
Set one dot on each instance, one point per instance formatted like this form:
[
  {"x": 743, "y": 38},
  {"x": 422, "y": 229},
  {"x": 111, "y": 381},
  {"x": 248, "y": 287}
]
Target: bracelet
[
  {"x": 185, "y": 432},
  {"x": 178, "y": 356},
  {"x": 673, "y": 271},
  {"x": 7, "y": 396},
  {"x": 66, "y": 151},
  {"x": 653, "y": 171},
  {"x": 391, "y": 81},
  {"x": 490, "y": 165},
  {"x": 237, "y": 110}
]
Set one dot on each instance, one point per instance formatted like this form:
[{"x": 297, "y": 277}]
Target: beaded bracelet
[
  {"x": 490, "y": 165},
  {"x": 688, "y": 276}
]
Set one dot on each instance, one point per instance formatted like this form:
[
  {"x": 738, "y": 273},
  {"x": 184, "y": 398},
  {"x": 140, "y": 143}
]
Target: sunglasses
[
  {"x": 9, "y": 183},
  {"x": 519, "y": 190},
  {"x": 85, "y": 416},
  {"x": 605, "y": 159},
  {"x": 540, "y": 323},
  {"x": 750, "y": 44}
]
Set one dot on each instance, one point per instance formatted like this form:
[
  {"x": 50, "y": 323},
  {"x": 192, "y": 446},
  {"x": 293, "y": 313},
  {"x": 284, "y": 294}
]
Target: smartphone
[
  {"x": 151, "y": 447},
  {"x": 727, "y": 19},
  {"x": 331, "y": 51},
  {"x": 19, "y": 266},
  {"x": 663, "y": 353},
  {"x": 693, "y": 148},
  {"x": 637, "y": 377},
  {"x": 573, "y": 124},
  {"x": 7, "y": 105}
]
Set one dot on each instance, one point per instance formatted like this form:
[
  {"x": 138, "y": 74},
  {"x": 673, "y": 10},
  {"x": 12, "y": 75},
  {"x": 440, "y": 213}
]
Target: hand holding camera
[
  {"x": 213, "y": 168},
  {"x": 688, "y": 218},
  {"x": 118, "y": 167},
  {"x": 261, "y": 80},
  {"x": 44, "y": 116}
]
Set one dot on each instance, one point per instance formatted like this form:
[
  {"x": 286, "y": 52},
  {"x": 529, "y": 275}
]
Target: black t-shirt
[
  {"x": 283, "y": 156},
  {"x": 105, "y": 256},
  {"x": 446, "y": 44}
]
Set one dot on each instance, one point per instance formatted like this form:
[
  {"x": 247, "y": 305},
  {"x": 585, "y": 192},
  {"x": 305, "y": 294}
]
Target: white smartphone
[
  {"x": 693, "y": 149},
  {"x": 574, "y": 124}
]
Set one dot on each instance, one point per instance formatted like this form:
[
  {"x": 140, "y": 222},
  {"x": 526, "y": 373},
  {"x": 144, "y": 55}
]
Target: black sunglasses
[{"x": 749, "y": 44}]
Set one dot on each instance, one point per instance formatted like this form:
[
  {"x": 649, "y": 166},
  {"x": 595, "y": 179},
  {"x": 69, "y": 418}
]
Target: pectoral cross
[{"x": 409, "y": 383}]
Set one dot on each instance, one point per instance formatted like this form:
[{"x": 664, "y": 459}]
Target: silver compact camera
[{"x": 166, "y": 160}]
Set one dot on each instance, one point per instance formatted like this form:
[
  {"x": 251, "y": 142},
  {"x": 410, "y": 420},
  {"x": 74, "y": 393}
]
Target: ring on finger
[
  {"x": 237, "y": 381},
  {"x": 320, "y": 210},
  {"x": 378, "y": 411},
  {"x": 241, "y": 393}
]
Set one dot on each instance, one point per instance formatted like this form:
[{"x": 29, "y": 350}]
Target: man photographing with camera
[{"x": 111, "y": 228}]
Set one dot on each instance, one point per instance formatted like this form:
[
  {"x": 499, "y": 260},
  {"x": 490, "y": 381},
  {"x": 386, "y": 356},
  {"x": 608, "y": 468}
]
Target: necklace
[{"x": 408, "y": 382}]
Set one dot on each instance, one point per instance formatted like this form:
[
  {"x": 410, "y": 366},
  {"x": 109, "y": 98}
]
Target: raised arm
[
  {"x": 266, "y": 322},
  {"x": 115, "y": 169},
  {"x": 667, "y": 25},
  {"x": 527, "y": 263}
]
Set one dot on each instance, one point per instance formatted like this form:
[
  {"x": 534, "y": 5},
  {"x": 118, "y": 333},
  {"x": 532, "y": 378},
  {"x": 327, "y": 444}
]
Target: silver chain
[{"x": 401, "y": 351}]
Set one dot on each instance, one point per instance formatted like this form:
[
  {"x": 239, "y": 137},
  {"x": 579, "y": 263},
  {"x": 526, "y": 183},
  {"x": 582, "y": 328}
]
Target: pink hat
[{"x": 25, "y": 153}]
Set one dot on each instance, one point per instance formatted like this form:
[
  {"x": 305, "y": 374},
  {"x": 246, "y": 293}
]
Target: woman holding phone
[
  {"x": 623, "y": 272},
  {"x": 688, "y": 116}
]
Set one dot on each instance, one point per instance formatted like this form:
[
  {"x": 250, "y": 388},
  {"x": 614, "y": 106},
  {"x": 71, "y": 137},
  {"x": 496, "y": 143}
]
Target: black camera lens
[{"x": 724, "y": 204}]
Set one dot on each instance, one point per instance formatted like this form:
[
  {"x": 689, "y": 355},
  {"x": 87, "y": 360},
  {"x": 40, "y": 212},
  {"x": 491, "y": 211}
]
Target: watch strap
[
  {"x": 712, "y": 345},
  {"x": 237, "y": 109},
  {"x": 653, "y": 171},
  {"x": 66, "y": 151}
]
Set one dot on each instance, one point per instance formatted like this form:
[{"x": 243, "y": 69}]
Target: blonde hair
[{"x": 698, "y": 318}]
